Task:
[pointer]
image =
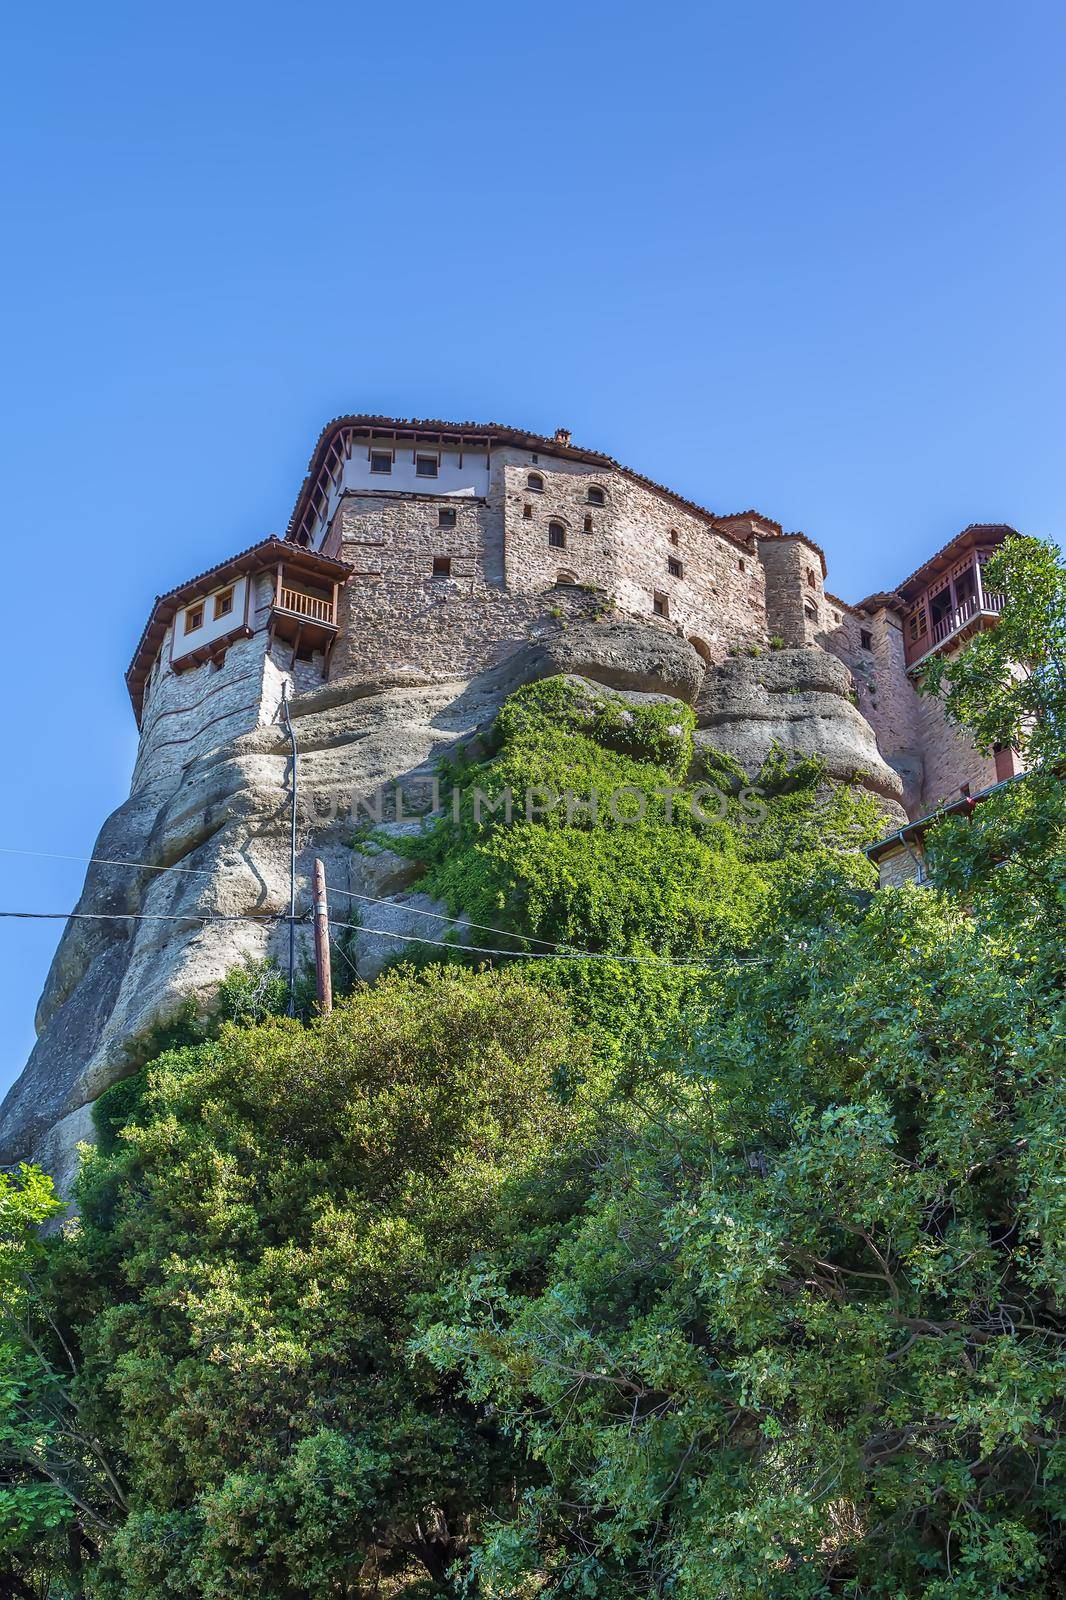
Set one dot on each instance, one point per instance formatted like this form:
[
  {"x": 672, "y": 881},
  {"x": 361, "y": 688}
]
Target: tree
[
  {"x": 1008, "y": 686},
  {"x": 241, "y": 1290},
  {"x": 59, "y": 1497},
  {"x": 807, "y": 1337}
]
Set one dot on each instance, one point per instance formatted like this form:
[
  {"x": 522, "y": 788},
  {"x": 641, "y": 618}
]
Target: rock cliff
[{"x": 213, "y": 840}]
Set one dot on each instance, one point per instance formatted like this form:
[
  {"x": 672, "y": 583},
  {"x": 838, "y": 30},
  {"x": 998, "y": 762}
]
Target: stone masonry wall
[
  {"x": 795, "y": 595},
  {"x": 885, "y": 695},
  {"x": 950, "y": 759},
  {"x": 632, "y": 546}
]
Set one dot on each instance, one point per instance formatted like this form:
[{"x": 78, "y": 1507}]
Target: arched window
[
  {"x": 565, "y": 578},
  {"x": 535, "y": 483},
  {"x": 557, "y": 535},
  {"x": 596, "y": 496}
]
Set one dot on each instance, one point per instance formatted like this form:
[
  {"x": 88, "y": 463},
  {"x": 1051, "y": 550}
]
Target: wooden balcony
[
  {"x": 955, "y": 606},
  {"x": 304, "y": 616},
  {"x": 312, "y": 606}
]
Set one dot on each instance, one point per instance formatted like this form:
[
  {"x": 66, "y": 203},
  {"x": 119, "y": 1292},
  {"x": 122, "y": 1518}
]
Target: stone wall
[
  {"x": 871, "y": 645},
  {"x": 951, "y": 762},
  {"x": 795, "y": 593},
  {"x": 652, "y": 556},
  {"x": 452, "y": 585},
  {"x": 905, "y": 864}
]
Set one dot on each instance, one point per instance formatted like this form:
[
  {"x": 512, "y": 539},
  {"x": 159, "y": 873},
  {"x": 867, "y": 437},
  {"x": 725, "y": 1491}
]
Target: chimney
[{"x": 562, "y": 435}]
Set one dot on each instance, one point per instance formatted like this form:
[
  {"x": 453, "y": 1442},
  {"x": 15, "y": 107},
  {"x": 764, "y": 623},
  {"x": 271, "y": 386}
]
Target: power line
[
  {"x": 145, "y": 916},
  {"x": 556, "y": 951},
  {"x": 105, "y": 861},
  {"x": 437, "y": 916},
  {"x": 535, "y": 955}
]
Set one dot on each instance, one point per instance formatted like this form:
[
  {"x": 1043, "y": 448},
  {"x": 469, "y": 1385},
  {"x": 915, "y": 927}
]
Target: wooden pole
[{"x": 323, "y": 972}]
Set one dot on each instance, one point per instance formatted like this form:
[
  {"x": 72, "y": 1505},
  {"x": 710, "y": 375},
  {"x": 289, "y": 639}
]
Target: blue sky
[{"x": 806, "y": 258}]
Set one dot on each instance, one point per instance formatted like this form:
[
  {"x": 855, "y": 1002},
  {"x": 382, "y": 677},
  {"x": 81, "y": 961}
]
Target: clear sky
[{"x": 807, "y": 258}]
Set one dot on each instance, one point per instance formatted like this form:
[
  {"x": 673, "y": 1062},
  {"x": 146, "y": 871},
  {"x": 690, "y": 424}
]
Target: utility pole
[
  {"x": 292, "y": 851},
  {"x": 323, "y": 971}
]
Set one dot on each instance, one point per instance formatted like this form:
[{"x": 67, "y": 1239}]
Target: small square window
[
  {"x": 223, "y": 603},
  {"x": 194, "y": 618},
  {"x": 534, "y": 458},
  {"x": 557, "y": 535},
  {"x": 866, "y": 639},
  {"x": 381, "y": 460},
  {"x": 426, "y": 466},
  {"x": 660, "y": 605},
  {"x": 675, "y": 567},
  {"x": 527, "y": 512},
  {"x": 446, "y": 517},
  {"x": 442, "y": 566}
]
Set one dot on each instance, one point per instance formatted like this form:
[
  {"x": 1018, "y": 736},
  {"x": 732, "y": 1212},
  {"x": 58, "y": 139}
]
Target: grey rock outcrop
[
  {"x": 217, "y": 845},
  {"x": 214, "y": 838},
  {"x": 642, "y": 656},
  {"x": 797, "y": 701}
]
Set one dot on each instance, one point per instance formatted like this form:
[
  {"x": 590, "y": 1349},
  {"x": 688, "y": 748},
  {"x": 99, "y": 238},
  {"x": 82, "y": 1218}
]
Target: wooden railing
[
  {"x": 306, "y": 605},
  {"x": 954, "y": 619}
]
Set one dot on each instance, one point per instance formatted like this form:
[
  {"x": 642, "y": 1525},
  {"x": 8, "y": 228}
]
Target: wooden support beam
[{"x": 323, "y": 971}]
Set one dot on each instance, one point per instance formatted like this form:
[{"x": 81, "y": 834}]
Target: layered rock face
[
  {"x": 799, "y": 701},
  {"x": 215, "y": 840}
]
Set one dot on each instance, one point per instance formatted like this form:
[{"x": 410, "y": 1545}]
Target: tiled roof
[
  {"x": 502, "y": 434},
  {"x": 263, "y": 554},
  {"x": 993, "y": 530}
]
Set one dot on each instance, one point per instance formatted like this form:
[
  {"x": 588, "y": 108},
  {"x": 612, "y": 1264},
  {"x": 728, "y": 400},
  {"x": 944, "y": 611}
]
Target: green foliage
[
  {"x": 248, "y": 994},
  {"x": 649, "y": 879},
  {"x": 806, "y": 1337},
  {"x": 54, "y": 1495},
  {"x": 419, "y": 1300},
  {"x": 243, "y": 1287}
]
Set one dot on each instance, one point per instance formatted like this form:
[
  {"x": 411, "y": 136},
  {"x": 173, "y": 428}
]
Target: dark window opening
[
  {"x": 426, "y": 466},
  {"x": 442, "y": 566},
  {"x": 866, "y": 639},
  {"x": 940, "y": 606},
  {"x": 675, "y": 568},
  {"x": 965, "y": 587},
  {"x": 557, "y": 535},
  {"x": 810, "y": 613},
  {"x": 527, "y": 512},
  {"x": 660, "y": 604},
  {"x": 446, "y": 517},
  {"x": 812, "y": 581},
  {"x": 596, "y": 496},
  {"x": 194, "y": 618},
  {"x": 535, "y": 483},
  {"x": 587, "y": 524},
  {"x": 223, "y": 603},
  {"x": 675, "y": 537},
  {"x": 381, "y": 460},
  {"x": 743, "y": 568}
]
